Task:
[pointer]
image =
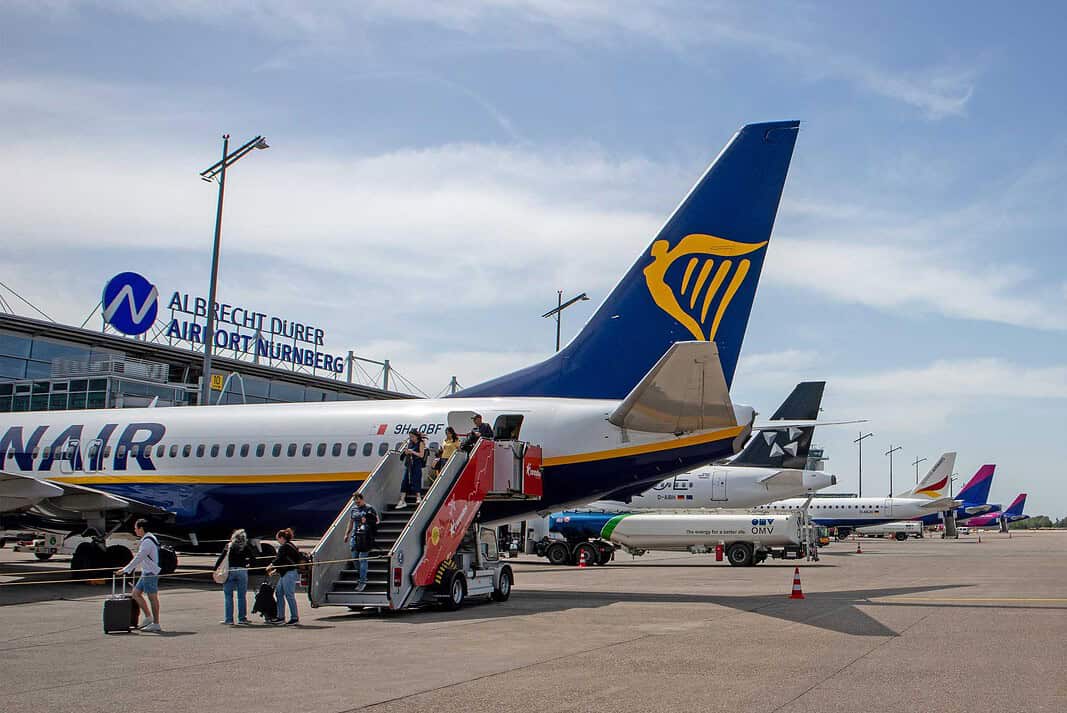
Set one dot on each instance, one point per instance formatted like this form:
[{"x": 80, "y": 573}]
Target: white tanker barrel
[{"x": 678, "y": 531}]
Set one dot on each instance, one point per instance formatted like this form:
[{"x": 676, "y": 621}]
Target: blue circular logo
[{"x": 130, "y": 303}]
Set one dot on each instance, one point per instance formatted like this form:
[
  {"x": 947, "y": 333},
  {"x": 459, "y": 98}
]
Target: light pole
[
  {"x": 916, "y": 463},
  {"x": 859, "y": 442},
  {"x": 218, "y": 170},
  {"x": 890, "y": 453},
  {"x": 560, "y": 306}
]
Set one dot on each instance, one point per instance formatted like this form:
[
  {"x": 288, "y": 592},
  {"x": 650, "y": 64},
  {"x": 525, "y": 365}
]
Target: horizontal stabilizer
[
  {"x": 784, "y": 477},
  {"x": 942, "y": 504},
  {"x": 684, "y": 392},
  {"x": 799, "y": 423}
]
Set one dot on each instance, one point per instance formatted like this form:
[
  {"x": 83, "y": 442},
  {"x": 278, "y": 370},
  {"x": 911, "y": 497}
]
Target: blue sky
[{"x": 436, "y": 166}]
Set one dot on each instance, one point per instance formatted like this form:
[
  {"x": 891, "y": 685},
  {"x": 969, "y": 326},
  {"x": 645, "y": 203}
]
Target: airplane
[
  {"x": 999, "y": 518},
  {"x": 772, "y": 466},
  {"x": 615, "y": 408},
  {"x": 975, "y": 497},
  {"x": 846, "y": 514}
]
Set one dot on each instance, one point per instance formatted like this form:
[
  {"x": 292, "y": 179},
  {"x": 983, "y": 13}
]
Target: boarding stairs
[{"x": 413, "y": 544}]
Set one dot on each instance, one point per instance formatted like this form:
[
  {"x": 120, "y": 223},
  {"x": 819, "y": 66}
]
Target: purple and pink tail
[
  {"x": 976, "y": 491},
  {"x": 1017, "y": 505}
]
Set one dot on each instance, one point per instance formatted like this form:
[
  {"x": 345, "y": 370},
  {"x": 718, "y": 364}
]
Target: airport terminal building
[{"x": 50, "y": 366}]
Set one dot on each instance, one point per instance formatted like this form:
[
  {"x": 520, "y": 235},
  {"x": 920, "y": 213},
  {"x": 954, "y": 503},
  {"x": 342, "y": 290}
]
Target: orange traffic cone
[
  {"x": 581, "y": 560},
  {"x": 797, "y": 593},
  {"x": 859, "y": 550}
]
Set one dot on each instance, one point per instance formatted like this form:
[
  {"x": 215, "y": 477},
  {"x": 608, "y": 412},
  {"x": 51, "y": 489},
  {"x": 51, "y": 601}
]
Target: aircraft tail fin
[
  {"x": 696, "y": 280},
  {"x": 976, "y": 491},
  {"x": 935, "y": 484},
  {"x": 1017, "y": 505},
  {"x": 787, "y": 448}
]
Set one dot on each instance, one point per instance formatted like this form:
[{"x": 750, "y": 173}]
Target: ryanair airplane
[{"x": 642, "y": 393}]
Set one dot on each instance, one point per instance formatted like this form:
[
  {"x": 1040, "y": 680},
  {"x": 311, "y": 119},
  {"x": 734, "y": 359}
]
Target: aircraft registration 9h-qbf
[{"x": 640, "y": 394}]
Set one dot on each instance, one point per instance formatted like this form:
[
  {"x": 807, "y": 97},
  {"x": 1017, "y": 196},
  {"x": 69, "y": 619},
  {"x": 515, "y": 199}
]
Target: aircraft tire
[
  {"x": 118, "y": 556},
  {"x": 43, "y": 556},
  {"x": 89, "y": 561},
  {"x": 558, "y": 553},
  {"x": 739, "y": 554}
]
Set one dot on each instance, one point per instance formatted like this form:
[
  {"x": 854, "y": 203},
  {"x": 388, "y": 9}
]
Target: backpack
[{"x": 167, "y": 557}]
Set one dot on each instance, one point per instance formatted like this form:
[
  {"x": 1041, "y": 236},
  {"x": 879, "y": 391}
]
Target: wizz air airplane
[
  {"x": 771, "y": 466},
  {"x": 1014, "y": 513},
  {"x": 846, "y": 514},
  {"x": 974, "y": 496},
  {"x": 641, "y": 393}
]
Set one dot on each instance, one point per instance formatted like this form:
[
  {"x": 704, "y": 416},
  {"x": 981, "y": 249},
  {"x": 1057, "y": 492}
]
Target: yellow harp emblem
[{"x": 710, "y": 278}]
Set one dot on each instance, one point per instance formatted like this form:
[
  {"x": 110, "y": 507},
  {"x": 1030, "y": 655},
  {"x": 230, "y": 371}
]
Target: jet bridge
[{"x": 431, "y": 551}]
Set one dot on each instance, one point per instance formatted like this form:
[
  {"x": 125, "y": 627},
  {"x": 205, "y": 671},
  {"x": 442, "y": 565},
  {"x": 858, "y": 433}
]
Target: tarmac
[{"x": 922, "y": 625}]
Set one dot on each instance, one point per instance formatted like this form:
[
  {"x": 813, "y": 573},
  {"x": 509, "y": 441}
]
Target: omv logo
[{"x": 130, "y": 303}]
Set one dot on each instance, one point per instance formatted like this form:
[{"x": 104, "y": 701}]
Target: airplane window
[
  {"x": 306, "y": 450},
  {"x": 292, "y": 450},
  {"x": 135, "y": 451},
  {"x": 368, "y": 449},
  {"x": 107, "y": 451},
  {"x": 215, "y": 451},
  {"x": 336, "y": 450},
  {"x": 174, "y": 451},
  {"x": 186, "y": 450},
  {"x": 244, "y": 450},
  {"x": 399, "y": 446},
  {"x": 383, "y": 448},
  {"x": 353, "y": 448},
  {"x": 260, "y": 450},
  {"x": 200, "y": 451},
  {"x": 230, "y": 450},
  {"x": 35, "y": 452},
  {"x": 277, "y": 450},
  {"x": 160, "y": 450},
  {"x": 321, "y": 450},
  {"x": 45, "y": 451}
]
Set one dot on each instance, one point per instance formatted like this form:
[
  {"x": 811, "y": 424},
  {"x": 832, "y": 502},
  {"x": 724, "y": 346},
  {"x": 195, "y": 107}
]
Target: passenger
[
  {"x": 414, "y": 460},
  {"x": 240, "y": 556},
  {"x": 448, "y": 447},
  {"x": 482, "y": 429},
  {"x": 362, "y": 526},
  {"x": 147, "y": 558},
  {"x": 284, "y": 565}
]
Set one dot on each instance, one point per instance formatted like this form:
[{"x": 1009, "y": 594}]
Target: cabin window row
[{"x": 231, "y": 450}]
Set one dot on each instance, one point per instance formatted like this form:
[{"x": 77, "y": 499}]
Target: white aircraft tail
[{"x": 935, "y": 484}]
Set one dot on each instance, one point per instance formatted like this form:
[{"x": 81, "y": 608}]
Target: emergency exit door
[{"x": 718, "y": 485}]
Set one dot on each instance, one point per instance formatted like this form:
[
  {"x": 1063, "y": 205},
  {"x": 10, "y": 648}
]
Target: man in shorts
[{"x": 147, "y": 558}]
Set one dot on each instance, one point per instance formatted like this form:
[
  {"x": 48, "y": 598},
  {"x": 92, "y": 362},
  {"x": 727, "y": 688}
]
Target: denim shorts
[{"x": 148, "y": 583}]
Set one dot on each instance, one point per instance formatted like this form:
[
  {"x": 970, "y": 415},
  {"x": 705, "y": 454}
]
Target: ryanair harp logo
[{"x": 704, "y": 287}]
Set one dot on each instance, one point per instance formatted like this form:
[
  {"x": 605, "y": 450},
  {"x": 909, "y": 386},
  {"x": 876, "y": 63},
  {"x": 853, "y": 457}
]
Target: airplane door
[
  {"x": 71, "y": 459},
  {"x": 887, "y": 507},
  {"x": 718, "y": 485}
]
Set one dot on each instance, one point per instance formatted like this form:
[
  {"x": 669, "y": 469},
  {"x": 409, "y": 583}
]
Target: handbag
[{"x": 222, "y": 572}]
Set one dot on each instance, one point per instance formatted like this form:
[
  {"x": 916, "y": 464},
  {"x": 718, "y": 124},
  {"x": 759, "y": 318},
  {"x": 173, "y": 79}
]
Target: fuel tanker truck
[{"x": 744, "y": 538}]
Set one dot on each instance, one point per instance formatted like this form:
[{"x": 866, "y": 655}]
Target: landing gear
[
  {"x": 118, "y": 556},
  {"x": 43, "y": 556},
  {"x": 90, "y": 561}
]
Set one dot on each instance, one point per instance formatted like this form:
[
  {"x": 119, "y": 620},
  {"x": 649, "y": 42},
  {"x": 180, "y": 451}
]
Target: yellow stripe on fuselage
[{"x": 131, "y": 478}]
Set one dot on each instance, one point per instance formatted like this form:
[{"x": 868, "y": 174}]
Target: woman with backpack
[
  {"x": 231, "y": 570},
  {"x": 414, "y": 460},
  {"x": 285, "y": 566}
]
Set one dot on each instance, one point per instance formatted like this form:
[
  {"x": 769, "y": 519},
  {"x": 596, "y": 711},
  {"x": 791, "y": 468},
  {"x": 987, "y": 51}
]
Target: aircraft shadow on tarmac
[{"x": 836, "y": 611}]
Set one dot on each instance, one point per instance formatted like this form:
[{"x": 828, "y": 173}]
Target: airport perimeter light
[
  {"x": 213, "y": 172},
  {"x": 859, "y": 442},
  {"x": 560, "y": 306},
  {"x": 916, "y": 463},
  {"x": 890, "y": 453}
]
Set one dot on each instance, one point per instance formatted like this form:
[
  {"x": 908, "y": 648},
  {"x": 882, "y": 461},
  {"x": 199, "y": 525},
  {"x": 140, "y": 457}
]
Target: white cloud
[{"x": 687, "y": 29}]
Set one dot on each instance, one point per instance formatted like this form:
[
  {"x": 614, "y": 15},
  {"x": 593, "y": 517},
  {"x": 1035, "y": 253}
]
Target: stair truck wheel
[
  {"x": 591, "y": 556},
  {"x": 558, "y": 553},
  {"x": 455, "y": 590},
  {"x": 739, "y": 554},
  {"x": 502, "y": 589}
]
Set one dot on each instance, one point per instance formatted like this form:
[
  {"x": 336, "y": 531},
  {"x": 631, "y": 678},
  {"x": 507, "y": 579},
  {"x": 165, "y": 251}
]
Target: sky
[{"x": 438, "y": 171}]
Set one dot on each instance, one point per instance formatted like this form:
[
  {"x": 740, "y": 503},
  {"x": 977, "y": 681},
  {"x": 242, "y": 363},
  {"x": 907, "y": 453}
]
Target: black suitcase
[
  {"x": 120, "y": 610},
  {"x": 265, "y": 604}
]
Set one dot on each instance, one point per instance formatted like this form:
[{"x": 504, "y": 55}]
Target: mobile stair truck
[{"x": 433, "y": 552}]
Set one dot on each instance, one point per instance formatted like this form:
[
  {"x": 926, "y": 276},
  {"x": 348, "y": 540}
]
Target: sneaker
[
  {"x": 292, "y": 621},
  {"x": 244, "y": 622},
  {"x": 361, "y": 586},
  {"x": 402, "y": 504},
  {"x": 276, "y": 622},
  {"x": 153, "y": 628},
  {"x": 144, "y": 625},
  {"x": 225, "y": 623}
]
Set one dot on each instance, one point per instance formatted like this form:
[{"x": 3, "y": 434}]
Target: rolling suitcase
[
  {"x": 120, "y": 611},
  {"x": 265, "y": 604}
]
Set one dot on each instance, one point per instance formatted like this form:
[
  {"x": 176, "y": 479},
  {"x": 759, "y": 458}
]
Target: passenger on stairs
[
  {"x": 481, "y": 430},
  {"x": 414, "y": 460},
  {"x": 449, "y": 446},
  {"x": 362, "y": 526},
  {"x": 284, "y": 565}
]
